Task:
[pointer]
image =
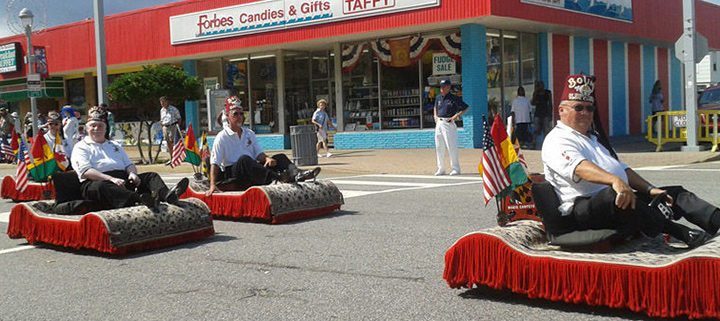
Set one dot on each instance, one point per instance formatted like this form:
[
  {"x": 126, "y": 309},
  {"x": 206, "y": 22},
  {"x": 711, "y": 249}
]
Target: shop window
[
  {"x": 236, "y": 80},
  {"x": 263, "y": 109},
  {"x": 528, "y": 55},
  {"x": 76, "y": 92},
  {"x": 511, "y": 68},
  {"x": 512, "y": 62},
  {"x": 360, "y": 89},
  {"x": 210, "y": 72},
  {"x": 391, "y": 83},
  {"x": 298, "y": 104},
  {"x": 494, "y": 74}
]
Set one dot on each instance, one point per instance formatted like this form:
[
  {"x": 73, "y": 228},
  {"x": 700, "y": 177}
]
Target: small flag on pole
[
  {"x": 178, "y": 154},
  {"x": 7, "y": 151},
  {"x": 495, "y": 178},
  {"x": 205, "y": 155},
  {"x": 21, "y": 175}
]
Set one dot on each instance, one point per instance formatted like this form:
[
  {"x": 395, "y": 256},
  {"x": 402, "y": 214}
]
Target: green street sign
[{"x": 36, "y": 94}]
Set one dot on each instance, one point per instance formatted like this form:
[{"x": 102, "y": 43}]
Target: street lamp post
[{"x": 26, "y": 18}]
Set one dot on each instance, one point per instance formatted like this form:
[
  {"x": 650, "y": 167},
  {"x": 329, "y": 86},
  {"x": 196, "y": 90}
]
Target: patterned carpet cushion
[
  {"x": 112, "y": 231},
  {"x": 275, "y": 203},
  {"x": 644, "y": 275}
]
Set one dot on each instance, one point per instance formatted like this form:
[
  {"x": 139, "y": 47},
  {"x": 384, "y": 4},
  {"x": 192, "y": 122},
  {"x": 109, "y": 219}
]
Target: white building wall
[{"x": 708, "y": 70}]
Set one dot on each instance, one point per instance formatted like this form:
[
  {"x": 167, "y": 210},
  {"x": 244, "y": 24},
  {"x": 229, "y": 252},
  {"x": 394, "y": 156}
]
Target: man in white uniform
[
  {"x": 237, "y": 157},
  {"x": 107, "y": 175},
  {"x": 448, "y": 109},
  {"x": 169, "y": 119},
  {"x": 53, "y": 130},
  {"x": 597, "y": 191}
]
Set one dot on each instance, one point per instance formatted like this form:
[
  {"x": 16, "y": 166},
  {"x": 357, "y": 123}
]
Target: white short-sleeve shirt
[
  {"x": 228, "y": 147},
  {"x": 521, "y": 107},
  {"x": 108, "y": 156},
  {"x": 169, "y": 115},
  {"x": 563, "y": 150},
  {"x": 50, "y": 138}
]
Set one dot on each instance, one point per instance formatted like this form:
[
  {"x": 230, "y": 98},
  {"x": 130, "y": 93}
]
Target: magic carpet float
[
  {"x": 275, "y": 203},
  {"x": 33, "y": 192},
  {"x": 117, "y": 231},
  {"x": 642, "y": 275}
]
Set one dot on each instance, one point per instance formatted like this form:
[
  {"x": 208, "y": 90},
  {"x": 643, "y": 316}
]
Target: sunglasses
[
  {"x": 236, "y": 113},
  {"x": 579, "y": 108}
]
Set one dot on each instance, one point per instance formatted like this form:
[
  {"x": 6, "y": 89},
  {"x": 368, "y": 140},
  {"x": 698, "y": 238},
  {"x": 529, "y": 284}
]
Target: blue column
[
  {"x": 192, "y": 107},
  {"x": 676, "y": 90},
  {"x": 648, "y": 80},
  {"x": 581, "y": 57},
  {"x": 474, "y": 79},
  {"x": 619, "y": 90},
  {"x": 544, "y": 58}
]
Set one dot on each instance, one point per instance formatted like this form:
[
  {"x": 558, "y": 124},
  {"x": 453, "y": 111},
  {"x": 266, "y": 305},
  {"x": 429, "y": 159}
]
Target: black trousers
[
  {"x": 600, "y": 212},
  {"x": 113, "y": 196},
  {"x": 247, "y": 172}
]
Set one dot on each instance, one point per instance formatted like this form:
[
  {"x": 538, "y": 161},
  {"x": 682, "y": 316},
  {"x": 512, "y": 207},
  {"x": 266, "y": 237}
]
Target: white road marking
[
  {"x": 17, "y": 249},
  {"x": 383, "y": 183},
  {"x": 351, "y": 194},
  {"x": 5, "y": 217}
]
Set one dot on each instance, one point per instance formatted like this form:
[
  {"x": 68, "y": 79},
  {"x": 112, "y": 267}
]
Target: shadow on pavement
[{"x": 486, "y": 293}]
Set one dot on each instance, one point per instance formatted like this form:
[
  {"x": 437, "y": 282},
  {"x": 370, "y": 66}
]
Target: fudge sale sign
[{"x": 269, "y": 15}]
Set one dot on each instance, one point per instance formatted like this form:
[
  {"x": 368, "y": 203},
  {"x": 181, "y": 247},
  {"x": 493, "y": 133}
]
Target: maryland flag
[
  {"x": 205, "y": 155},
  {"x": 43, "y": 161},
  {"x": 192, "y": 152},
  {"x": 59, "y": 153}
]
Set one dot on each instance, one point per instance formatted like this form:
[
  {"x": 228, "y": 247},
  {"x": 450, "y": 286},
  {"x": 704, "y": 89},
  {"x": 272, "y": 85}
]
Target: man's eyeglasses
[
  {"x": 236, "y": 113},
  {"x": 579, "y": 108}
]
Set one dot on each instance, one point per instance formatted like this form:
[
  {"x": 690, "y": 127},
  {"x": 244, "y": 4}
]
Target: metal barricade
[
  {"x": 670, "y": 127},
  {"x": 302, "y": 141}
]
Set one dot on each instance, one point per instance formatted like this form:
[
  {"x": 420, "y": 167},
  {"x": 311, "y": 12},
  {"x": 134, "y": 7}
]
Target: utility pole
[{"x": 102, "y": 79}]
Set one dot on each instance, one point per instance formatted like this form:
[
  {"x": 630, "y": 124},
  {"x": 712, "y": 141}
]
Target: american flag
[
  {"x": 178, "y": 154},
  {"x": 495, "y": 178},
  {"x": 7, "y": 151},
  {"x": 21, "y": 175}
]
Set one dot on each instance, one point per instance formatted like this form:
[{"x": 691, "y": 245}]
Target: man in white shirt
[
  {"x": 597, "y": 191},
  {"x": 520, "y": 109},
  {"x": 53, "y": 131},
  {"x": 169, "y": 119},
  {"x": 107, "y": 175},
  {"x": 237, "y": 157}
]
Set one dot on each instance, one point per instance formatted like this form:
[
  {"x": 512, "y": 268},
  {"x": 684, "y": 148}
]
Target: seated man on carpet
[
  {"x": 53, "y": 131},
  {"x": 107, "y": 175},
  {"x": 597, "y": 191},
  {"x": 237, "y": 157}
]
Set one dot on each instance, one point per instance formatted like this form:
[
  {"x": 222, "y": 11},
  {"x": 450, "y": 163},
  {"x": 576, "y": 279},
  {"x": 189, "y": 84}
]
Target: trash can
[{"x": 302, "y": 141}]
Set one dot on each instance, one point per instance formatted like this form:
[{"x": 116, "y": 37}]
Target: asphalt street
[{"x": 380, "y": 258}]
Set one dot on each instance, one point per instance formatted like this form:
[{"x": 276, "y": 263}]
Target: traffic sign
[
  {"x": 34, "y": 85},
  {"x": 701, "y": 47}
]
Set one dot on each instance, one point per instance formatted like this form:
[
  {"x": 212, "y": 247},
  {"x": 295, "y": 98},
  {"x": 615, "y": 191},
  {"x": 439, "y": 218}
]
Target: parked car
[{"x": 710, "y": 98}]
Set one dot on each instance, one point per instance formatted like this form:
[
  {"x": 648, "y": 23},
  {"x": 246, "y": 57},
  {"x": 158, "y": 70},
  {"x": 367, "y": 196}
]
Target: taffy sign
[{"x": 263, "y": 16}]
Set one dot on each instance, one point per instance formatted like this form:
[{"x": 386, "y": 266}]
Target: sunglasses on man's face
[
  {"x": 579, "y": 108},
  {"x": 236, "y": 113}
]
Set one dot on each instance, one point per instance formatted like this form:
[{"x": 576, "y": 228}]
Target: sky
[{"x": 58, "y": 12}]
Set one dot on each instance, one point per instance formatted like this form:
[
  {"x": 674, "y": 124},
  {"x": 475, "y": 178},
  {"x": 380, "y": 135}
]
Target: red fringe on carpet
[
  {"x": 89, "y": 232},
  {"x": 33, "y": 192},
  {"x": 252, "y": 204},
  {"x": 688, "y": 287}
]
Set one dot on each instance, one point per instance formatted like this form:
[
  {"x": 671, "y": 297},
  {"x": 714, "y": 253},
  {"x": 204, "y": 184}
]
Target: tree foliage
[{"x": 142, "y": 90}]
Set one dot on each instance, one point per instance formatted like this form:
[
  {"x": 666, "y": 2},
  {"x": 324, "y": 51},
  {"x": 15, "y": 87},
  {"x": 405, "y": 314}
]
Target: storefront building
[{"x": 379, "y": 62}]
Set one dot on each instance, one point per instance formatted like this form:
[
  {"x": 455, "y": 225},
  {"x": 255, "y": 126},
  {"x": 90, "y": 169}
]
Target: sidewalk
[{"x": 633, "y": 150}]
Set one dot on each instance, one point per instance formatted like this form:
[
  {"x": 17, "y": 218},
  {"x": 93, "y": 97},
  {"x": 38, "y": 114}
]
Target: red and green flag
[
  {"x": 192, "y": 152},
  {"x": 43, "y": 162},
  {"x": 507, "y": 155}
]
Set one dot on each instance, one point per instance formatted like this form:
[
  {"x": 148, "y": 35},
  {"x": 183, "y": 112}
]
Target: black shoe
[
  {"x": 284, "y": 177},
  {"x": 306, "y": 175},
  {"x": 695, "y": 238},
  {"x": 173, "y": 195}
]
